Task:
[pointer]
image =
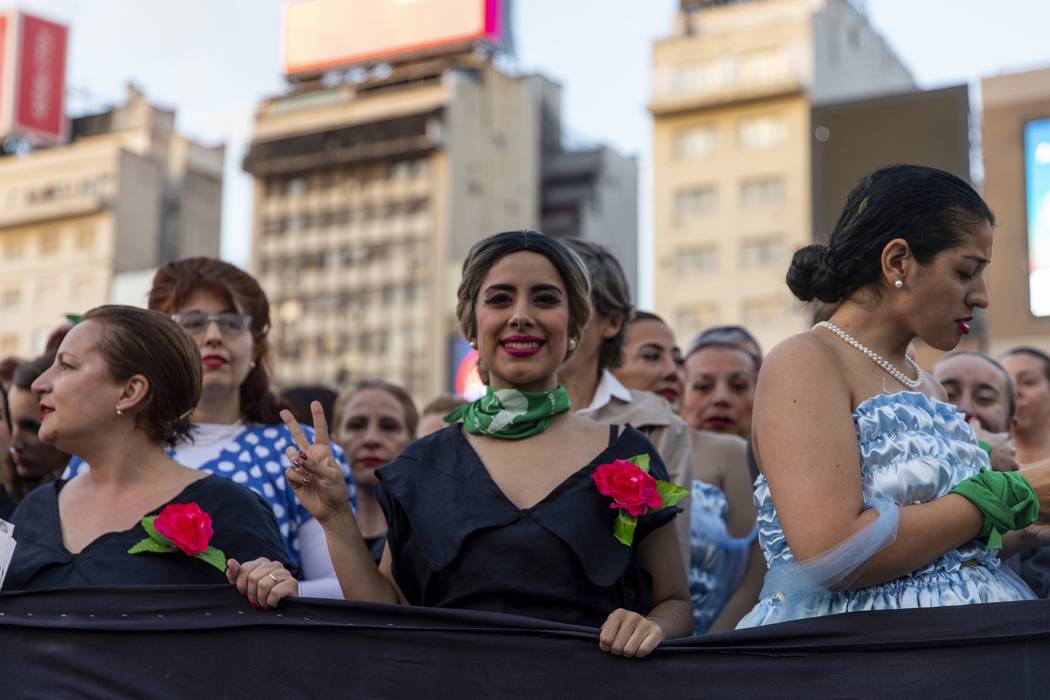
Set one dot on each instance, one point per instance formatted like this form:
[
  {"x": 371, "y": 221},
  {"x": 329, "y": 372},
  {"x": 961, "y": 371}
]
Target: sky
[{"x": 214, "y": 60}]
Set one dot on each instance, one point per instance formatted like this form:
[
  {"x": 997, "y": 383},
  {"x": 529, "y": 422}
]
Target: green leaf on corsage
[
  {"x": 623, "y": 527},
  {"x": 156, "y": 542},
  {"x": 670, "y": 493},
  {"x": 641, "y": 461},
  {"x": 215, "y": 557},
  {"x": 148, "y": 544}
]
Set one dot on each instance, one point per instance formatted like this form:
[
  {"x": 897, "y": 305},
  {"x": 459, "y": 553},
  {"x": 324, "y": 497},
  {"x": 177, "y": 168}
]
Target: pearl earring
[
  {"x": 251, "y": 365},
  {"x": 119, "y": 412},
  {"x": 899, "y": 284},
  {"x": 572, "y": 343},
  {"x": 473, "y": 344}
]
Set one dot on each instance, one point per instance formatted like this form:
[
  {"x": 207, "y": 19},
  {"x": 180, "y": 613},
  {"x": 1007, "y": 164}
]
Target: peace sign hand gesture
[{"x": 315, "y": 476}]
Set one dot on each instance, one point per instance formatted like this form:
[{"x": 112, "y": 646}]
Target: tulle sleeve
[{"x": 840, "y": 566}]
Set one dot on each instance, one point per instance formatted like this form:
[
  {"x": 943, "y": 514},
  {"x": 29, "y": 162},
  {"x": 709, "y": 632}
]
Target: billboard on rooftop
[{"x": 321, "y": 35}]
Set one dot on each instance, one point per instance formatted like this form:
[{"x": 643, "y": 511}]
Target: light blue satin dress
[
  {"x": 717, "y": 559},
  {"x": 913, "y": 449}
]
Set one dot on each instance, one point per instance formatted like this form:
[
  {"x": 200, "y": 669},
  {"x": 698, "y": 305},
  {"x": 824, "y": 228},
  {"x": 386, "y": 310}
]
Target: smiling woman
[{"x": 501, "y": 511}]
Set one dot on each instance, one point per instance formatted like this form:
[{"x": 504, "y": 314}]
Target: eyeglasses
[{"x": 230, "y": 323}]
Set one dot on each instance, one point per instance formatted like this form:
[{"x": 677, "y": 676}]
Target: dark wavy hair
[
  {"x": 177, "y": 280},
  {"x": 489, "y": 251},
  {"x": 610, "y": 295},
  {"x": 136, "y": 341},
  {"x": 929, "y": 208}
]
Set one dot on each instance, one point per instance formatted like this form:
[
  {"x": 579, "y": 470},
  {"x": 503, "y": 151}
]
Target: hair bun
[{"x": 812, "y": 275}]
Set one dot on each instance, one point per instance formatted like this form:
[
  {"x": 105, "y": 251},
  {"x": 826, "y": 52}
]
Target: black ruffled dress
[{"x": 457, "y": 542}]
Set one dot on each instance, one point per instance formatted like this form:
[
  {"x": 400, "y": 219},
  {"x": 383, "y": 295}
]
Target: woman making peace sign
[{"x": 497, "y": 513}]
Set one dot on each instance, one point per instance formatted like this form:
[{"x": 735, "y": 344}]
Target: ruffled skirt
[{"x": 963, "y": 586}]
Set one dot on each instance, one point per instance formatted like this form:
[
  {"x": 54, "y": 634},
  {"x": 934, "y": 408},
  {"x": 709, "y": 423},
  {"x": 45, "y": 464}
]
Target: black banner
[{"x": 207, "y": 642}]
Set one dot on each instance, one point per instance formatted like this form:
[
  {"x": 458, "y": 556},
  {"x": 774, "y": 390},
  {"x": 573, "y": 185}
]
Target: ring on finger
[{"x": 273, "y": 578}]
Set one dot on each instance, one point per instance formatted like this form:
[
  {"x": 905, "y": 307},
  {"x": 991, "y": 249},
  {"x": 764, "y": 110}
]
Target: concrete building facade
[
  {"x": 368, "y": 196},
  {"x": 1008, "y": 103},
  {"x": 733, "y": 92},
  {"x": 81, "y": 224}
]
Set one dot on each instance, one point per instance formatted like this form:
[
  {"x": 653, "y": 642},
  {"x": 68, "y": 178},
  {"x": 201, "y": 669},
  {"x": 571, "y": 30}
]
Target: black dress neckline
[
  {"x": 615, "y": 436},
  {"x": 56, "y": 520}
]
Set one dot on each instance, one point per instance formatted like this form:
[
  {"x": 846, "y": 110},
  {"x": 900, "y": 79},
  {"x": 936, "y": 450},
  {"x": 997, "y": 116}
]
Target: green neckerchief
[{"x": 511, "y": 414}]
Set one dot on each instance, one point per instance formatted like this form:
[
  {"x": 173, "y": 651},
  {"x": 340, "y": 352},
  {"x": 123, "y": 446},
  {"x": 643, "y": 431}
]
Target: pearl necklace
[{"x": 877, "y": 358}]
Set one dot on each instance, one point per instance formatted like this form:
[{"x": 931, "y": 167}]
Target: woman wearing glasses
[{"x": 239, "y": 433}]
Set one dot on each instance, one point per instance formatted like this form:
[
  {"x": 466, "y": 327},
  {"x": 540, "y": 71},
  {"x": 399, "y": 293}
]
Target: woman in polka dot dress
[{"x": 239, "y": 433}]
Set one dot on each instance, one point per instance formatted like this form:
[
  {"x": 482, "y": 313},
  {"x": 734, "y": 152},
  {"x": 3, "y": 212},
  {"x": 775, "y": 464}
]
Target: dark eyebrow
[
  {"x": 500, "y": 287},
  {"x": 547, "y": 288},
  {"x": 65, "y": 354},
  {"x": 978, "y": 259}
]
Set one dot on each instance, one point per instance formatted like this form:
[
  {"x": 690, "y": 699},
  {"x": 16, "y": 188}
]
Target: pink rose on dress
[
  {"x": 628, "y": 485},
  {"x": 186, "y": 526}
]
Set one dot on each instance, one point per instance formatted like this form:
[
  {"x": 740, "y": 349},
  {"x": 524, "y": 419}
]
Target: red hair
[{"x": 177, "y": 280}]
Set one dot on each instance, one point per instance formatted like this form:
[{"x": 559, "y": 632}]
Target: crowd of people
[{"x": 607, "y": 478}]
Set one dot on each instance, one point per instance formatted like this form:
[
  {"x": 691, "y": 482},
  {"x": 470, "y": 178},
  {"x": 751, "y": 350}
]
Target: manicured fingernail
[{"x": 303, "y": 457}]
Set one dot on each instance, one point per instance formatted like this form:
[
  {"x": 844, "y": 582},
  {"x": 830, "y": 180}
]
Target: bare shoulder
[
  {"x": 717, "y": 454},
  {"x": 806, "y": 357},
  {"x": 719, "y": 446}
]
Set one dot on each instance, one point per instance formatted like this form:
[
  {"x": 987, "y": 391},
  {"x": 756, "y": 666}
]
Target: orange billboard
[{"x": 322, "y": 34}]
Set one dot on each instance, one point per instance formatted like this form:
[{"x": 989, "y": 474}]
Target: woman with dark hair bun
[
  {"x": 238, "y": 433},
  {"x": 874, "y": 492},
  {"x": 120, "y": 391}
]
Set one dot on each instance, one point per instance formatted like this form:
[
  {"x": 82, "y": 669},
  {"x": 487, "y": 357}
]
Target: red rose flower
[
  {"x": 186, "y": 525},
  {"x": 629, "y": 487}
]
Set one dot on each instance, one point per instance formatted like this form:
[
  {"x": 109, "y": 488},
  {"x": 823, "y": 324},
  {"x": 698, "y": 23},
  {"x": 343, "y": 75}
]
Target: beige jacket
[{"x": 670, "y": 436}]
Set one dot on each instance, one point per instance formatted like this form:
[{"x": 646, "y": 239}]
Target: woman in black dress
[
  {"x": 502, "y": 513},
  {"x": 122, "y": 385}
]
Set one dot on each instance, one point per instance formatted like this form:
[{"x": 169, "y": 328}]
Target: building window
[
  {"x": 762, "y": 193},
  {"x": 765, "y": 312},
  {"x": 11, "y": 297},
  {"x": 47, "y": 290},
  {"x": 14, "y": 246},
  {"x": 764, "y": 67},
  {"x": 86, "y": 240},
  {"x": 691, "y": 320},
  {"x": 762, "y": 252},
  {"x": 698, "y": 260},
  {"x": 49, "y": 242},
  {"x": 695, "y": 201},
  {"x": 757, "y": 133},
  {"x": 296, "y": 186},
  {"x": 696, "y": 142}
]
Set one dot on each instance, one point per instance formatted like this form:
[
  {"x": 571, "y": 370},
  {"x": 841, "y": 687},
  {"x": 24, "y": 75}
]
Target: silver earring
[
  {"x": 899, "y": 284},
  {"x": 252, "y": 365},
  {"x": 473, "y": 344}
]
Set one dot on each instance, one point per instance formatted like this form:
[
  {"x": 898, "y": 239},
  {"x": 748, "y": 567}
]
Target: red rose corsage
[
  {"x": 181, "y": 527},
  {"x": 634, "y": 492}
]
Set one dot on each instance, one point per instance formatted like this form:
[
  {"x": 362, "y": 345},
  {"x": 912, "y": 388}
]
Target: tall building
[
  {"x": 369, "y": 193},
  {"x": 733, "y": 93},
  {"x": 85, "y": 223},
  {"x": 367, "y": 198},
  {"x": 1015, "y": 136}
]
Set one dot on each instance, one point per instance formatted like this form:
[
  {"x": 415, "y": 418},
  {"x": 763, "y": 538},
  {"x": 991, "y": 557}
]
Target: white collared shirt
[{"x": 609, "y": 388}]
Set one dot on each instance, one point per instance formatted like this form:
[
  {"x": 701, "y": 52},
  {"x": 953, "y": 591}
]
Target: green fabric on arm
[
  {"x": 1007, "y": 500},
  {"x": 511, "y": 414}
]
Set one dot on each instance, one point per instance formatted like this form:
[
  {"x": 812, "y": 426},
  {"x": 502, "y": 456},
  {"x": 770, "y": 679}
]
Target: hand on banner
[
  {"x": 627, "y": 633},
  {"x": 262, "y": 581}
]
